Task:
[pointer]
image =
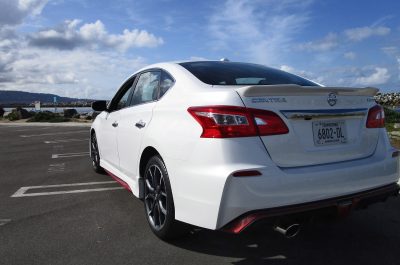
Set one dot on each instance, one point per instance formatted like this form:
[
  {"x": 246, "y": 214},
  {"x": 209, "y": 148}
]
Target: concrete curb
[{"x": 46, "y": 124}]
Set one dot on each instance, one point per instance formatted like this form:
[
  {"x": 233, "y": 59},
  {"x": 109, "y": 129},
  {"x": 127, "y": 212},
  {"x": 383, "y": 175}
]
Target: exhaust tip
[{"x": 289, "y": 231}]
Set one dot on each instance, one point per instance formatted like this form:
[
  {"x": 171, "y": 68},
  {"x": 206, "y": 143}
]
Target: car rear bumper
[
  {"x": 342, "y": 205},
  {"x": 284, "y": 187},
  {"x": 207, "y": 194}
]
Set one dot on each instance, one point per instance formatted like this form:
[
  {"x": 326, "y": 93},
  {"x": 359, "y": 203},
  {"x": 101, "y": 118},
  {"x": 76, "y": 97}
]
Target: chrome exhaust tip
[{"x": 289, "y": 231}]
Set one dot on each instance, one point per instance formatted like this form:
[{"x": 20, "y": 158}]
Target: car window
[
  {"x": 166, "y": 83},
  {"x": 124, "y": 98},
  {"x": 146, "y": 89},
  {"x": 232, "y": 73}
]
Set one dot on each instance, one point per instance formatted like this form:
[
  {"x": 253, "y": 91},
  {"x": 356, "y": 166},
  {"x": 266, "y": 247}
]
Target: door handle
[
  {"x": 115, "y": 124},
  {"x": 140, "y": 124}
]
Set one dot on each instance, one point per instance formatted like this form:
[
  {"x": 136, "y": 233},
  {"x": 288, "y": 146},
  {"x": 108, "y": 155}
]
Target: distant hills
[{"x": 8, "y": 97}]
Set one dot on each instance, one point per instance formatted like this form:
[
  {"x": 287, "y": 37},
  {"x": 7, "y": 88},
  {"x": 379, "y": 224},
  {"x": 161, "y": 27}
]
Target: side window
[
  {"x": 146, "y": 89},
  {"x": 166, "y": 83},
  {"x": 123, "y": 100}
]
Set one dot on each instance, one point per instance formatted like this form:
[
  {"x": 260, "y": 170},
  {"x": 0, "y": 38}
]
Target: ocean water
[{"x": 80, "y": 110}]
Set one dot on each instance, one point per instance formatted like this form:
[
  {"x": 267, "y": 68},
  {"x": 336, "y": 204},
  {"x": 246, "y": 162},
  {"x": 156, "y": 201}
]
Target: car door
[
  {"x": 134, "y": 121},
  {"x": 107, "y": 134}
]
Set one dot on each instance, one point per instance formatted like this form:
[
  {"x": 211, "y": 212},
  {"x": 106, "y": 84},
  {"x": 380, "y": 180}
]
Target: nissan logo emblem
[{"x": 332, "y": 99}]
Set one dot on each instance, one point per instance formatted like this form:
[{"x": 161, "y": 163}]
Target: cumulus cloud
[
  {"x": 66, "y": 73},
  {"x": 329, "y": 42},
  {"x": 69, "y": 36},
  {"x": 262, "y": 30},
  {"x": 361, "y": 33},
  {"x": 379, "y": 76},
  {"x": 13, "y": 12}
]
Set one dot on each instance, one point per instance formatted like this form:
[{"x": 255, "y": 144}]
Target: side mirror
[{"x": 99, "y": 105}]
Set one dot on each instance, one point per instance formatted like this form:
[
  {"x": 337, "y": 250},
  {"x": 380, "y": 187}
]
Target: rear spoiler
[{"x": 296, "y": 90}]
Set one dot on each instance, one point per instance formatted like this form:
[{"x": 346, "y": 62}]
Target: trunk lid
[{"x": 326, "y": 124}]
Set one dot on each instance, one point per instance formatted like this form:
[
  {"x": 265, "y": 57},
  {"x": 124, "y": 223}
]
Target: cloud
[
  {"x": 69, "y": 36},
  {"x": 329, "y": 42},
  {"x": 305, "y": 74},
  {"x": 390, "y": 50},
  {"x": 13, "y": 12},
  {"x": 66, "y": 73},
  {"x": 378, "y": 77},
  {"x": 261, "y": 30},
  {"x": 349, "y": 55},
  {"x": 359, "y": 34},
  {"x": 398, "y": 65}
]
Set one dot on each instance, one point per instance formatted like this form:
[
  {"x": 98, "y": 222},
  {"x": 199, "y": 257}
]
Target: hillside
[{"x": 20, "y": 97}]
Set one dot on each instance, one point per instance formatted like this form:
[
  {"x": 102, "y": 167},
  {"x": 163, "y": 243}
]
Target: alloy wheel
[
  {"x": 94, "y": 151},
  {"x": 155, "y": 197}
]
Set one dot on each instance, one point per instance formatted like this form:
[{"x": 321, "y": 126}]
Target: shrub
[
  {"x": 1, "y": 111},
  {"x": 47, "y": 117},
  {"x": 69, "y": 113},
  {"x": 19, "y": 113},
  {"x": 391, "y": 116},
  {"x": 13, "y": 116}
]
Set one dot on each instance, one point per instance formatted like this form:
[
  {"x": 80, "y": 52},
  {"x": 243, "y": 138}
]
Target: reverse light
[
  {"x": 376, "y": 117},
  {"x": 233, "y": 121}
]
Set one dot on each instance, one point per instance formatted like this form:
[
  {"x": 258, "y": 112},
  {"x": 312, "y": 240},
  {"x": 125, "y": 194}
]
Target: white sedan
[{"x": 220, "y": 145}]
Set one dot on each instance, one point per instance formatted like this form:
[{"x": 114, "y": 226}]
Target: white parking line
[
  {"x": 4, "y": 221},
  {"x": 22, "y": 191},
  {"x": 58, "y": 167},
  {"x": 65, "y": 141},
  {"x": 69, "y": 155},
  {"x": 56, "y": 133}
]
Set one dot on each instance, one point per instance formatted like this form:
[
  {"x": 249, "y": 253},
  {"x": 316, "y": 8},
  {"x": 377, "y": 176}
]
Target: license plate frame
[{"x": 326, "y": 132}]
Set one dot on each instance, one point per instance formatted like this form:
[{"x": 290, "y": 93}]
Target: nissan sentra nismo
[{"x": 220, "y": 145}]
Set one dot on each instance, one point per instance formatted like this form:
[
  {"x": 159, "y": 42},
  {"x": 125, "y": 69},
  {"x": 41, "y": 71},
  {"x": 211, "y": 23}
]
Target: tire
[
  {"x": 158, "y": 202},
  {"x": 95, "y": 155}
]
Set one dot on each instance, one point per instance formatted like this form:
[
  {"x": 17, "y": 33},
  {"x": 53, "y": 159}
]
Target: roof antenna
[{"x": 224, "y": 60}]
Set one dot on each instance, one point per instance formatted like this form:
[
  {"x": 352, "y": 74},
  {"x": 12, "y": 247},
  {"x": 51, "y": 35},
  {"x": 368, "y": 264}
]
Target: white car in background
[{"x": 220, "y": 145}]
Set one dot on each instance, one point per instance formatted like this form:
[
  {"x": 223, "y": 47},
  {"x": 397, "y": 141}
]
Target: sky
[{"x": 87, "y": 48}]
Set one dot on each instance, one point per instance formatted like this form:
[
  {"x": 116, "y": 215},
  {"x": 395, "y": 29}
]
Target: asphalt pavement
[{"x": 55, "y": 210}]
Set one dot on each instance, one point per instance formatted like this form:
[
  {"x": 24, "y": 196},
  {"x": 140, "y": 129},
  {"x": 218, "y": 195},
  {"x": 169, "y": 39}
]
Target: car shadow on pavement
[{"x": 366, "y": 237}]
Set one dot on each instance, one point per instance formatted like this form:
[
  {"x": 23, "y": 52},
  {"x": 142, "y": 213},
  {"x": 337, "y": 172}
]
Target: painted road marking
[
  {"x": 65, "y": 141},
  {"x": 69, "y": 155},
  {"x": 4, "y": 221},
  {"x": 22, "y": 191},
  {"x": 56, "y": 133},
  {"x": 58, "y": 167}
]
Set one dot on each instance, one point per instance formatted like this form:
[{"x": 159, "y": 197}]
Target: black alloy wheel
[
  {"x": 95, "y": 155},
  {"x": 159, "y": 203}
]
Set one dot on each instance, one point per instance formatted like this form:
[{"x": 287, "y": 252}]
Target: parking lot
[{"x": 55, "y": 210}]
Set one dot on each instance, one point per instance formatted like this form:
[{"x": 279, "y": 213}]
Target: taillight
[
  {"x": 232, "y": 121},
  {"x": 376, "y": 117}
]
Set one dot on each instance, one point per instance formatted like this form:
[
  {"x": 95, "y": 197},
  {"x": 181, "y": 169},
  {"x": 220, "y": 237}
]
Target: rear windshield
[{"x": 230, "y": 73}]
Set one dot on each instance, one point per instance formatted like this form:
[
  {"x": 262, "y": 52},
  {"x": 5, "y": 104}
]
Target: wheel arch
[{"x": 147, "y": 153}]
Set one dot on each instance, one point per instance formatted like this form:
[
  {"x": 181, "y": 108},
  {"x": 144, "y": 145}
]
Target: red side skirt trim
[{"x": 120, "y": 181}]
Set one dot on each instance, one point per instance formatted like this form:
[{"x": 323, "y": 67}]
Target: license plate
[{"x": 329, "y": 132}]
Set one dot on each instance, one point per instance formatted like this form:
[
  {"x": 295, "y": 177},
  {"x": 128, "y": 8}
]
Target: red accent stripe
[{"x": 120, "y": 181}]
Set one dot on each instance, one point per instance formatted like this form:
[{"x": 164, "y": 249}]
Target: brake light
[
  {"x": 232, "y": 121},
  {"x": 376, "y": 117}
]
